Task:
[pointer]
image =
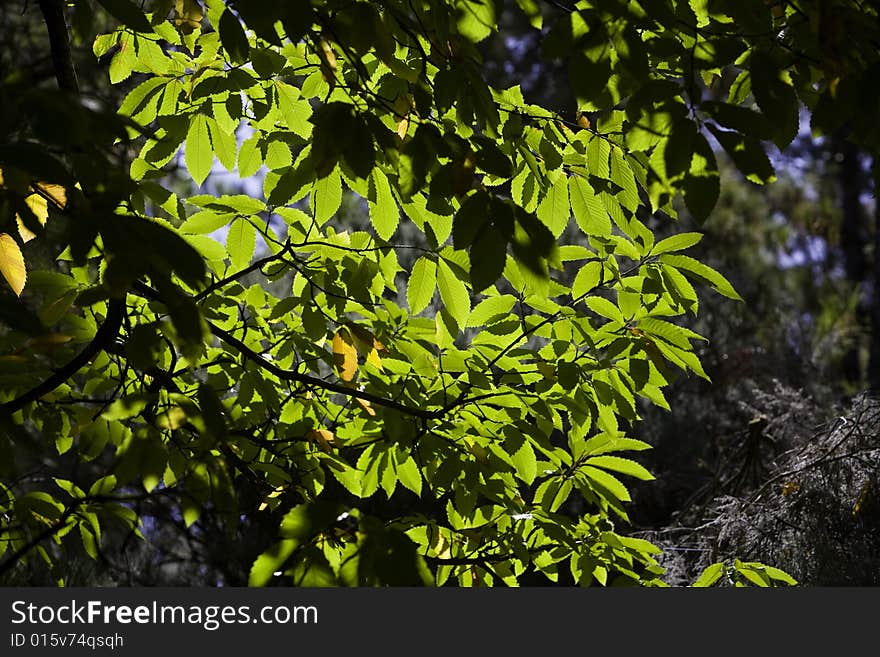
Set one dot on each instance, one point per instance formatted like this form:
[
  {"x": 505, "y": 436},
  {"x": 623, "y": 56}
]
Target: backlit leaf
[
  {"x": 589, "y": 212},
  {"x": 710, "y": 575},
  {"x": 326, "y": 197},
  {"x": 384, "y": 213},
  {"x": 554, "y": 210},
  {"x": 702, "y": 271},
  {"x": 453, "y": 293},
  {"x": 199, "y": 154},
  {"x": 240, "y": 243},
  {"x": 421, "y": 285},
  {"x": 678, "y": 242},
  {"x": 12, "y": 263}
]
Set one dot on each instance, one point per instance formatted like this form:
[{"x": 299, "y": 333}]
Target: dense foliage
[{"x": 440, "y": 395}]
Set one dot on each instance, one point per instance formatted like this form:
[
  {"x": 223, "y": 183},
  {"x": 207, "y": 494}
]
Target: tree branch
[
  {"x": 293, "y": 376},
  {"x": 104, "y": 336},
  {"x": 53, "y": 15}
]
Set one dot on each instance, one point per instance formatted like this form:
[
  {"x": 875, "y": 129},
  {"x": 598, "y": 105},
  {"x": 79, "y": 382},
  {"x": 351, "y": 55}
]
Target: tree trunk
[{"x": 852, "y": 243}]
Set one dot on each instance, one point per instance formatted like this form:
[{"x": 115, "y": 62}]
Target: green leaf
[
  {"x": 554, "y": 210},
  {"x": 589, "y": 211},
  {"x": 678, "y": 242},
  {"x": 779, "y": 575},
  {"x": 605, "y": 308},
  {"x": 409, "y": 475},
  {"x": 421, "y": 285},
  {"x": 12, "y": 264},
  {"x": 349, "y": 477},
  {"x": 295, "y": 110},
  {"x": 710, "y": 575},
  {"x": 476, "y": 18},
  {"x": 126, "y": 407},
  {"x": 199, "y": 154},
  {"x": 326, "y": 197},
  {"x": 470, "y": 220},
  {"x": 488, "y": 255},
  {"x": 103, "y": 485},
  {"x": 224, "y": 145},
  {"x": 293, "y": 183},
  {"x": 775, "y": 96},
  {"x": 277, "y": 156},
  {"x": 205, "y": 221},
  {"x": 701, "y": 10},
  {"x": 606, "y": 481},
  {"x": 384, "y": 213},
  {"x": 747, "y": 154},
  {"x": 752, "y": 574},
  {"x": 701, "y": 271},
  {"x": 270, "y": 562},
  {"x": 484, "y": 311},
  {"x": 240, "y": 243},
  {"x": 552, "y": 493},
  {"x": 453, "y": 293},
  {"x": 587, "y": 279},
  {"x": 525, "y": 462},
  {"x": 701, "y": 184},
  {"x": 89, "y": 542},
  {"x": 213, "y": 412},
  {"x": 250, "y": 159},
  {"x": 532, "y": 10},
  {"x": 621, "y": 465},
  {"x": 622, "y": 176},
  {"x": 742, "y": 119},
  {"x": 233, "y": 37}
]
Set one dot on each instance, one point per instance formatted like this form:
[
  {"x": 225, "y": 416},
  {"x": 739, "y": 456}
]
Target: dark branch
[
  {"x": 105, "y": 335},
  {"x": 290, "y": 375},
  {"x": 53, "y": 15}
]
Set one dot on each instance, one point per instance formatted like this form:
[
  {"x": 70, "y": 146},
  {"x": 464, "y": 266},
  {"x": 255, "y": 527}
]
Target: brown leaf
[
  {"x": 366, "y": 406},
  {"x": 325, "y": 439}
]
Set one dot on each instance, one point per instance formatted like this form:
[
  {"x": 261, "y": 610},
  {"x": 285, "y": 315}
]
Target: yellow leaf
[
  {"x": 12, "y": 263},
  {"x": 174, "y": 418},
  {"x": 38, "y": 202},
  {"x": 365, "y": 405},
  {"x": 373, "y": 359},
  {"x": 344, "y": 354},
  {"x": 328, "y": 62},
  {"x": 325, "y": 438},
  {"x": 188, "y": 15},
  {"x": 327, "y": 55},
  {"x": 403, "y": 126},
  {"x": 367, "y": 343},
  {"x": 272, "y": 498},
  {"x": 439, "y": 543},
  {"x": 38, "y": 199}
]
